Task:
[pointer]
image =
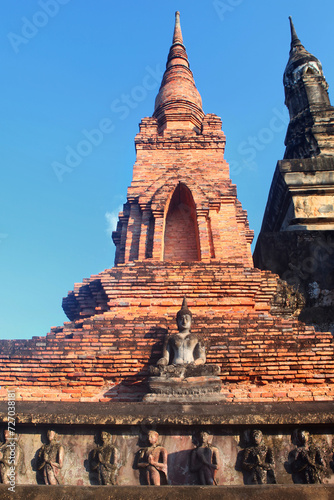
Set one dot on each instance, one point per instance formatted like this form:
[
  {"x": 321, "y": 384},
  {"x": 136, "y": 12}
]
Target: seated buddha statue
[
  {"x": 184, "y": 347},
  {"x": 183, "y": 353}
]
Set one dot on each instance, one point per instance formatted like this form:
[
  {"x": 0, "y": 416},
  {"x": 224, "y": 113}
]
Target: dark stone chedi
[
  {"x": 310, "y": 132},
  {"x": 182, "y": 371},
  {"x": 297, "y": 233}
]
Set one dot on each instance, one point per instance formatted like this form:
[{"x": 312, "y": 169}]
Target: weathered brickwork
[
  {"x": 105, "y": 357},
  {"x": 162, "y": 164},
  {"x": 181, "y": 146},
  {"x": 182, "y": 232}
]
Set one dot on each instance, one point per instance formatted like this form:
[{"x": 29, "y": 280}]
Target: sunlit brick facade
[{"x": 182, "y": 232}]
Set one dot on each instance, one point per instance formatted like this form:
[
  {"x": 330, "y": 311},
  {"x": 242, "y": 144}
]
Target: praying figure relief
[
  {"x": 105, "y": 460},
  {"x": 204, "y": 460},
  {"x": 9, "y": 456},
  {"x": 50, "y": 459},
  {"x": 306, "y": 461},
  {"x": 258, "y": 461},
  {"x": 153, "y": 460}
]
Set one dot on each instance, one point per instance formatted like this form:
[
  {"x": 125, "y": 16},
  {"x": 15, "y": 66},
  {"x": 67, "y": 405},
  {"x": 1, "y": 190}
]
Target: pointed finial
[
  {"x": 178, "y": 99},
  {"x": 294, "y": 38},
  {"x": 177, "y": 37},
  {"x": 184, "y": 309}
]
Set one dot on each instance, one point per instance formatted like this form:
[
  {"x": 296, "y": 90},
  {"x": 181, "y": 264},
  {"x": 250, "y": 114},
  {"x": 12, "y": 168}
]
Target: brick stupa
[{"x": 182, "y": 232}]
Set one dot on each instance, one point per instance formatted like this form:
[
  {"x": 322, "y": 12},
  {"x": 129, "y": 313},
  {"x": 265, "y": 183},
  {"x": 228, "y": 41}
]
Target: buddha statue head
[{"x": 184, "y": 317}]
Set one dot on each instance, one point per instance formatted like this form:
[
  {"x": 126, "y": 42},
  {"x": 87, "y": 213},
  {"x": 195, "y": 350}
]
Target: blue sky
[{"x": 70, "y": 67}]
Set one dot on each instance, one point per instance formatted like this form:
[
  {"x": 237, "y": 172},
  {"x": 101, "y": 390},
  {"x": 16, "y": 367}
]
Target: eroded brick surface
[
  {"x": 103, "y": 357},
  {"x": 119, "y": 318}
]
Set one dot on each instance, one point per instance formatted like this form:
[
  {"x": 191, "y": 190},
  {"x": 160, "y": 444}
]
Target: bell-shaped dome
[
  {"x": 178, "y": 104},
  {"x": 300, "y": 61}
]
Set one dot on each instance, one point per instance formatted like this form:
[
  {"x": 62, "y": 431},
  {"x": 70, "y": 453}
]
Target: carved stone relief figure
[
  {"x": 258, "y": 461},
  {"x": 204, "y": 460},
  {"x": 306, "y": 460},
  {"x": 105, "y": 460},
  {"x": 8, "y": 458},
  {"x": 50, "y": 458},
  {"x": 153, "y": 460}
]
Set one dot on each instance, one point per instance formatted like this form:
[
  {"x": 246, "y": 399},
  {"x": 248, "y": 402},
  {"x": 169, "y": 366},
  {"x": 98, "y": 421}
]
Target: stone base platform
[
  {"x": 190, "y": 389},
  {"x": 261, "y": 492},
  {"x": 79, "y": 426},
  {"x": 185, "y": 383}
]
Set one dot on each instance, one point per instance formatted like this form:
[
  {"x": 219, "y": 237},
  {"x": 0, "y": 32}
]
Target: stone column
[
  {"x": 158, "y": 243},
  {"x": 145, "y": 222},
  {"x": 133, "y": 233},
  {"x": 204, "y": 237},
  {"x": 116, "y": 237},
  {"x": 124, "y": 218}
]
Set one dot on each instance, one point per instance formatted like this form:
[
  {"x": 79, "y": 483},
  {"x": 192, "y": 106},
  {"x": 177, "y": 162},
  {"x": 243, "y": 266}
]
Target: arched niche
[{"x": 181, "y": 239}]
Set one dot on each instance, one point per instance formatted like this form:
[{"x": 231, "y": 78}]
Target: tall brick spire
[
  {"x": 178, "y": 104},
  {"x": 177, "y": 38},
  {"x": 175, "y": 211}
]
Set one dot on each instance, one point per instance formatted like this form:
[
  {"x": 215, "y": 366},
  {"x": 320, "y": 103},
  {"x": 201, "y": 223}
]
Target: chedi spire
[
  {"x": 311, "y": 115},
  {"x": 294, "y": 38},
  {"x": 300, "y": 61},
  {"x": 178, "y": 104},
  {"x": 177, "y": 38}
]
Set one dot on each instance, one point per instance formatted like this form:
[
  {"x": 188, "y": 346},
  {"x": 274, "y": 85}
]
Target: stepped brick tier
[
  {"x": 181, "y": 232},
  {"x": 106, "y": 356}
]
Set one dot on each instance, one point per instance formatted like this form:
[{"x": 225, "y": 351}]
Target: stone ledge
[
  {"x": 318, "y": 163},
  {"x": 257, "y": 492},
  {"x": 304, "y": 413}
]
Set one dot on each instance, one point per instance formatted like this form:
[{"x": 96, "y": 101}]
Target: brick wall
[
  {"x": 196, "y": 160},
  {"x": 106, "y": 356}
]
